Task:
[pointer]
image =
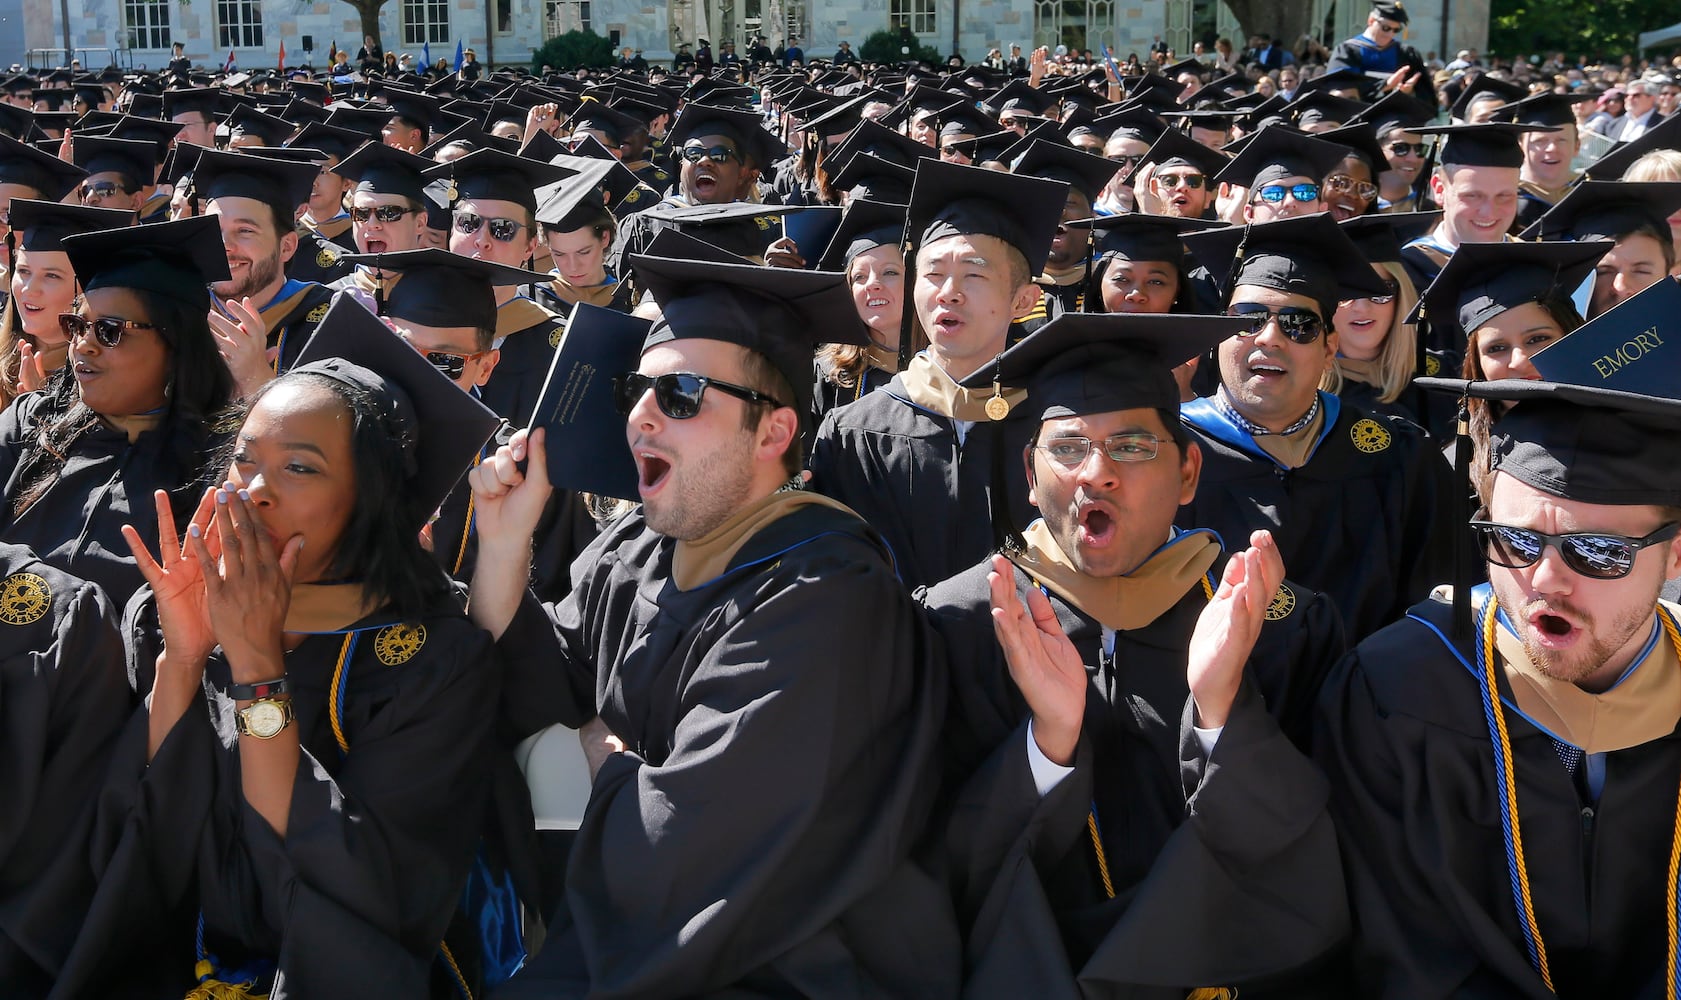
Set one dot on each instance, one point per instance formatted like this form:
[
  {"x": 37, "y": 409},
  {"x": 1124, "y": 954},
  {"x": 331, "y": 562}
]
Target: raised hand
[
  {"x": 1227, "y": 629},
  {"x": 784, "y": 253},
  {"x": 247, "y": 590},
  {"x": 507, "y": 502},
  {"x": 243, "y": 344},
  {"x": 1043, "y": 662},
  {"x": 30, "y": 373},
  {"x": 177, "y": 581}
]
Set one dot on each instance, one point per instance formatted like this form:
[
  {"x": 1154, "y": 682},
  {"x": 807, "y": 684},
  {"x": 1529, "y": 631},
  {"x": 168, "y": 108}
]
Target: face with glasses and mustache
[
  {"x": 1574, "y": 627},
  {"x": 493, "y": 230},
  {"x": 1271, "y": 375},
  {"x": 462, "y": 353}
]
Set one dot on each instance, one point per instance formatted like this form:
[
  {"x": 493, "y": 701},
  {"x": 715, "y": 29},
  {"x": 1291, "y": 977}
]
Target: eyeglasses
[
  {"x": 1072, "y": 452},
  {"x": 501, "y": 230},
  {"x": 1342, "y": 184},
  {"x": 1299, "y": 326},
  {"x": 1407, "y": 148},
  {"x": 1128, "y": 161},
  {"x": 103, "y": 189},
  {"x": 1385, "y": 26},
  {"x": 1192, "y": 181},
  {"x": 717, "y": 154},
  {"x": 1273, "y": 194},
  {"x": 451, "y": 364},
  {"x": 382, "y": 213},
  {"x": 108, "y": 330},
  {"x": 678, "y": 394},
  {"x": 1590, "y": 554}
]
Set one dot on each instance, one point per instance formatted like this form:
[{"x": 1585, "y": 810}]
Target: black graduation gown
[
  {"x": 1404, "y": 741},
  {"x": 935, "y": 501},
  {"x": 63, "y": 699},
  {"x": 565, "y": 529},
  {"x": 1432, "y": 411},
  {"x": 516, "y": 383},
  {"x": 826, "y": 395},
  {"x": 354, "y": 901},
  {"x": 1361, "y": 522},
  {"x": 781, "y": 765},
  {"x": 105, "y": 482},
  {"x": 1219, "y": 865},
  {"x": 318, "y": 259}
]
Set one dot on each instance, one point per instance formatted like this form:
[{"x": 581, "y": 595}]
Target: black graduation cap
[
  {"x": 1608, "y": 210},
  {"x": 864, "y": 225},
  {"x": 473, "y": 137},
  {"x": 16, "y": 122},
  {"x": 335, "y": 142},
  {"x": 1019, "y": 98},
  {"x": 1136, "y": 236},
  {"x": 1175, "y": 148},
  {"x": 368, "y": 121},
  {"x": 282, "y": 183},
  {"x": 1319, "y": 107},
  {"x": 191, "y": 99},
  {"x": 309, "y": 90},
  {"x": 586, "y": 448},
  {"x": 1487, "y": 144},
  {"x": 178, "y": 165},
  {"x": 574, "y": 202},
  {"x": 446, "y": 426},
  {"x": 1603, "y": 425},
  {"x": 1338, "y": 79},
  {"x": 598, "y": 117},
  {"x": 416, "y": 108},
  {"x": 1486, "y": 279},
  {"x": 145, "y": 105},
  {"x": 871, "y": 137},
  {"x": 1084, "y": 363},
  {"x": 742, "y": 228},
  {"x": 497, "y": 176},
  {"x": 835, "y": 119},
  {"x": 1486, "y": 88},
  {"x": 1396, "y": 111},
  {"x": 867, "y": 175},
  {"x": 135, "y": 159},
  {"x": 177, "y": 259},
  {"x": 625, "y": 193},
  {"x": 1361, "y": 141},
  {"x": 382, "y": 169},
  {"x": 43, "y": 225},
  {"x": 1303, "y": 255},
  {"x": 1390, "y": 10},
  {"x": 743, "y": 127},
  {"x": 1278, "y": 152},
  {"x": 444, "y": 288},
  {"x": 952, "y": 200},
  {"x": 1086, "y": 172},
  {"x": 779, "y": 313},
  {"x": 54, "y": 121},
  {"x": 302, "y": 113},
  {"x": 1541, "y": 109},
  {"x": 159, "y": 133},
  {"x": 272, "y": 129},
  {"x": 681, "y": 246},
  {"x": 17, "y": 83},
  {"x": 1664, "y": 135},
  {"x": 1042, "y": 130},
  {"x": 1381, "y": 235},
  {"x": 1132, "y": 123}
]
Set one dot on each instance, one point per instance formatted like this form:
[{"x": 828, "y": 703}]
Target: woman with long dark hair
[
  {"x": 297, "y": 805},
  {"x": 133, "y": 409}
]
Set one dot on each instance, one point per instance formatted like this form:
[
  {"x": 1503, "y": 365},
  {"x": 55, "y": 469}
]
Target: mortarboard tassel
[{"x": 907, "y": 308}]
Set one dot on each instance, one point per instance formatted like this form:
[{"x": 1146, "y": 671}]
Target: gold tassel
[
  {"x": 1212, "y": 993},
  {"x": 215, "y": 989}
]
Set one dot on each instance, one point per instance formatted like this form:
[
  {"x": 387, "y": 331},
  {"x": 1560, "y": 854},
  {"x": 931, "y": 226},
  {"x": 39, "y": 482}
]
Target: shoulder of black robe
[
  {"x": 1404, "y": 742},
  {"x": 760, "y": 679},
  {"x": 378, "y": 843},
  {"x": 1024, "y": 871},
  {"x": 1361, "y": 522},
  {"x": 828, "y": 395},
  {"x": 526, "y": 354},
  {"x": 63, "y": 700},
  {"x": 319, "y": 259},
  {"x": 289, "y": 333},
  {"x": 931, "y": 498}
]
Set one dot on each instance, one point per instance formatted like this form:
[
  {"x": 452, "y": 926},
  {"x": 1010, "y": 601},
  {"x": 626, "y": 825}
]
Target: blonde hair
[
  {"x": 1657, "y": 165},
  {"x": 1397, "y": 360}
]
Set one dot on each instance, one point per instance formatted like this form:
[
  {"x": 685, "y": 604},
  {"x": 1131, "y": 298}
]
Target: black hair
[
  {"x": 380, "y": 546},
  {"x": 196, "y": 397}
]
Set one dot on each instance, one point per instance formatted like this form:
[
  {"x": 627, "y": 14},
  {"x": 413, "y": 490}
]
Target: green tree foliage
[
  {"x": 571, "y": 50},
  {"x": 883, "y": 47},
  {"x": 1607, "y": 28}
]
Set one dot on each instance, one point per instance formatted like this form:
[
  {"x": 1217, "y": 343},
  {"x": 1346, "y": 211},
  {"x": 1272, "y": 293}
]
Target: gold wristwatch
[{"x": 264, "y": 718}]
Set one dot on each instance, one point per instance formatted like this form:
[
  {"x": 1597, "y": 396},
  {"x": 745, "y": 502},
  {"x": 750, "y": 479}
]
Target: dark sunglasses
[
  {"x": 1127, "y": 160},
  {"x": 678, "y": 393},
  {"x": 1590, "y": 554},
  {"x": 1192, "y": 181},
  {"x": 1403, "y": 148},
  {"x": 452, "y": 365},
  {"x": 1299, "y": 326},
  {"x": 103, "y": 189},
  {"x": 384, "y": 213},
  {"x": 717, "y": 154},
  {"x": 108, "y": 330},
  {"x": 501, "y": 230},
  {"x": 1273, "y": 194}
]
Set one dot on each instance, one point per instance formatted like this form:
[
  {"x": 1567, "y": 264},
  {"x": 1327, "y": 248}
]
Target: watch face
[{"x": 264, "y": 719}]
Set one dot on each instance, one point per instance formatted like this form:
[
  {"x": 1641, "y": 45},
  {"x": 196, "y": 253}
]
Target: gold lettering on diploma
[
  {"x": 1632, "y": 350},
  {"x": 578, "y": 379}
]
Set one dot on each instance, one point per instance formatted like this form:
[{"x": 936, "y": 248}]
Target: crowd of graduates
[{"x": 1057, "y": 533}]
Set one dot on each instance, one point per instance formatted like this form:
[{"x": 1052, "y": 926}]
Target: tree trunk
[
  {"x": 369, "y": 10},
  {"x": 1285, "y": 20}
]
